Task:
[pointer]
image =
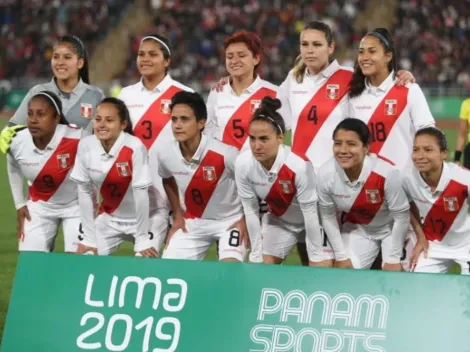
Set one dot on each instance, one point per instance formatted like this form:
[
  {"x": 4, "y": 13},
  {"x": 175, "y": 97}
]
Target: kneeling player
[
  {"x": 271, "y": 172},
  {"x": 200, "y": 170},
  {"x": 116, "y": 163},
  {"x": 44, "y": 154},
  {"x": 439, "y": 196},
  {"x": 368, "y": 191}
]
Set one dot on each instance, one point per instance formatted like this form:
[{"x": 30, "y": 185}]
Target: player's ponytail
[
  {"x": 123, "y": 112},
  {"x": 358, "y": 81},
  {"x": 438, "y": 135},
  {"x": 267, "y": 111},
  {"x": 54, "y": 102},
  {"x": 79, "y": 48}
]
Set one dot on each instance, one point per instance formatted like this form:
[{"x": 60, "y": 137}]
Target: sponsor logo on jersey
[
  {"x": 62, "y": 160},
  {"x": 208, "y": 173},
  {"x": 332, "y": 91},
  {"x": 373, "y": 196},
  {"x": 286, "y": 186},
  {"x": 86, "y": 110},
  {"x": 255, "y": 105},
  {"x": 165, "y": 106},
  {"x": 390, "y": 107},
  {"x": 123, "y": 169},
  {"x": 451, "y": 204}
]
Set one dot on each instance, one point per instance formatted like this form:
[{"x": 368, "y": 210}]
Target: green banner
[
  {"x": 71, "y": 303},
  {"x": 445, "y": 107}
]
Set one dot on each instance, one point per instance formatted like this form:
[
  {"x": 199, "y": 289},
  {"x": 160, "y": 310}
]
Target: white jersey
[
  {"x": 317, "y": 105},
  {"x": 229, "y": 115},
  {"x": 393, "y": 115},
  {"x": 50, "y": 190},
  {"x": 151, "y": 117},
  {"x": 445, "y": 213},
  {"x": 367, "y": 202},
  {"x": 289, "y": 183},
  {"x": 115, "y": 173},
  {"x": 207, "y": 183}
]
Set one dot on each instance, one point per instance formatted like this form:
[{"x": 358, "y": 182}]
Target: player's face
[
  {"x": 372, "y": 57},
  {"x": 264, "y": 140},
  {"x": 150, "y": 59},
  {"x": 184, "y": 124},
  {"x": 427, "y": 155},
  {"x": 42, "y": 118},
  {"x": 314, "y": 50},
  {"x": 107, "y": 124},
  {"x": 65, "y": 62},
  {"x": 239, "y": 60},
  {"x": 348, "y": 149}
]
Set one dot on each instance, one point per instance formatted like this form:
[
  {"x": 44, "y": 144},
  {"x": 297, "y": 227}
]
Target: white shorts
[
  {"x": 110, "y": 233},
  {"x": 41, "y": 231},
  {"x": 200, "y": 235},
  {"x": 441, "y": 258},
  {"x": 279, "y": 238}
]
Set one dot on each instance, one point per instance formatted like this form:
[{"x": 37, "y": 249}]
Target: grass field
[{"x": 8, "y": 241}]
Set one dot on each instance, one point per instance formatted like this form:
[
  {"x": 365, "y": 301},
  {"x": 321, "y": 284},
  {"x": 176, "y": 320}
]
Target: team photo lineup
[{"x": 344, "y": 165}]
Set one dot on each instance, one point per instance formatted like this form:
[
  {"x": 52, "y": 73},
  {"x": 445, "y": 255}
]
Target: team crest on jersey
[
  {"x": 255, "y": 105},
  {"x": 373, "y": 196},
  {"x": 332, "y": 91},
  {"x": 165, "y": 106},
  {"x": 63, "y": 161},
  {"x": 86, "y": 110},
  {"x": 451, "y": 204},
  {"x": 390, "y": 107},
  {"x": 208, "y": 173},
  {"x": 286, "y": 186},
  {"x": 123, "y": 169}
]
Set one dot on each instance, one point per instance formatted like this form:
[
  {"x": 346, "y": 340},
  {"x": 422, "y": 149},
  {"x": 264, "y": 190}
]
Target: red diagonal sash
[
  {"x": 445, "y": 209},
  {"x": 385, "y": 115},
  {"x": 282, "y": 192},
  {"x": 155, "y": 118},
  {"x": 117, "y": 181},
  {"x": 203, "y": 184},
  {"x": 368, "y": 202},
  {"x": 236, "y": 130},
  {"x": 318, "y": 109},
  {"x": 54, "y": 171}
]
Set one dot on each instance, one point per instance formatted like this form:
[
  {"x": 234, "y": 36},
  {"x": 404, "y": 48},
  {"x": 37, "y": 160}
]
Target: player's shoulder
[
  {"x": 348, "y": 69},
  {"x": 458, "y": 173},
  {"x": 133, "y": 142},
  {"x": 244, "y": 159},
  {"x": 269, "y": 85},
  {"x": 93, "y": 89},
  {"x": 221, "y": 148},
  {"x": 71, "y": 131},
  {"x": 382, "y": 166},
  {"x": 49, "y": 86},
  {"x": 465, "y": 107},
  {"x": 181, "y": 86},
  {"x": 22, "y": 137},
  {"x": 327, "y": 170},
  {"x": 293, "y": 161}
]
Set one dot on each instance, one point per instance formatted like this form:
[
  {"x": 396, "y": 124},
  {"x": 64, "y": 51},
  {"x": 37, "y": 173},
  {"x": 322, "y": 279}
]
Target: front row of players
[{"x": 362, "y": 201}]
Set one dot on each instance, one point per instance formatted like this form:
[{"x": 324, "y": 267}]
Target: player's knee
[{"x": 270, "y": 259}]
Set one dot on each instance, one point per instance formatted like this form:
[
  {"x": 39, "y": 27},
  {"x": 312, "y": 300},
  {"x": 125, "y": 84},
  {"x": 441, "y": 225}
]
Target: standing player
[
  {"x": 368, "y": 190},
  {"x": 464, "y": 135},
  {"x": 271, "y": 172},
  {"x": 44, "y": 153},
  {"x": 200, "y": 170},
  {"x": 148, "y": 102},
  {"x": 439, "y": 193},
  {"x": 117, "y": 164},
  {"x": 70, "y": 83}
]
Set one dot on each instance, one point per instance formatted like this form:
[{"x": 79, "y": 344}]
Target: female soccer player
[
  {"x": 44, "y": 153},
  {"x": 148, "y": 102},
  {"x": 70, "y": 83},
  {"x": 393, "y": 113},
  {"x": 463, "y": 139},
  {"x": 199, "y": 170},
  {"x": 438, "y": 192},
  {"x": 368, "y": 190},
  {"x": 271, "y": 172},
  {"x": 117, "y": 164}
]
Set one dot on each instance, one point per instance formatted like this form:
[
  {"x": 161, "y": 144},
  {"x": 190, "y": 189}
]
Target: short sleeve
[
  {"x": 395, "y": 195},
  {"x": 305, "y": 184},
  {"x": 140, "y": 168},
  {"x": 79, "y": 172},
  {"x": 465, "y": 110},
  {"x": 245, "y": 191},
  {"x": 419, "y": 109},
  {"x": 162, "y": 167}
]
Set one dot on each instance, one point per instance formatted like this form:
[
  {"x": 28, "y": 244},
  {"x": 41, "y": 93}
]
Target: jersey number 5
[{"x": 236, "y": 125}]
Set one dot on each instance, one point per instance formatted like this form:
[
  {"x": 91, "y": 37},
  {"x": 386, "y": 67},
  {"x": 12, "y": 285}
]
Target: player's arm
[
  {"x": 399, "y": 208},
  {"x": 250, "y": 208},
  {"x": 308, "y": 200},
  {"x": 212, "y": 127},
  {"x": 419, "y": 109},
  {"x": 463, "y": 129}
]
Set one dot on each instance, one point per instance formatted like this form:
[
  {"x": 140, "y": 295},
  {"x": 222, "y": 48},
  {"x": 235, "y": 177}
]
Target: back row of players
[{"x": 174, "y": 161}]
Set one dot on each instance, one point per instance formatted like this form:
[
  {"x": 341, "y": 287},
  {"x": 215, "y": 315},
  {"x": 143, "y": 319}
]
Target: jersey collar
[
  {"x": 161, "y": 87},
  {"x": 249, "y": 90},
  {"x": 280, "y": 158},
  {"x": 196, "y": 159},
  {"x": 115, "y": 148},
  {"x": 77, "y": 90},
  {"x": 384, "y": 87},
  {"x": 58, "y": 134},
  {"x": 326, "y": 73},
  {"x": 443, "y": 181},
  {"x": 366, "y": 168}
]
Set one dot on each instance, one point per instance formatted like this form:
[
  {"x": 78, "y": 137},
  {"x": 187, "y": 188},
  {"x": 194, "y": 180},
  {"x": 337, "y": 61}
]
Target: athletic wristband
[{"x": 457, "y": 155}]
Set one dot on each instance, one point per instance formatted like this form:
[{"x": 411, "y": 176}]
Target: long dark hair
[
  {"x": 54, "y": 102},
  {"x": 358, "y": 83},
  {"x": 81, "y": 52}
]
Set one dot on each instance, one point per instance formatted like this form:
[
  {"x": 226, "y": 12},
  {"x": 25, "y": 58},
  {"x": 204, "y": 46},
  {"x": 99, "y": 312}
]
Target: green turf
[{"x": 8, "y": 241}]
